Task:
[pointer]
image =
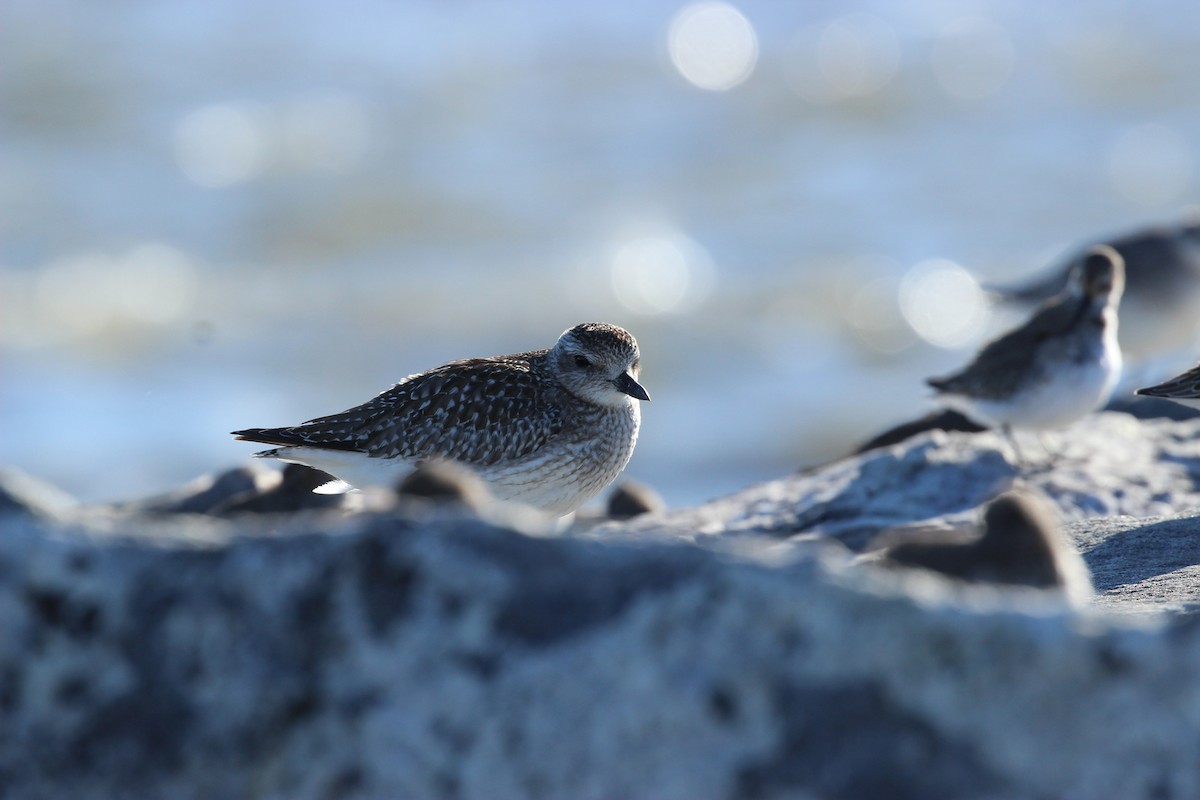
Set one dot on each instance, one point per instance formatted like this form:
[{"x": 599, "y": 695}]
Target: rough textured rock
[
  {"x": 707, "y": 653},
  {"x": 1143, "y": 564},
  {"x": 25, "y": 495},
  {"x": 1109, "y": 464},
  {"x": 253, "y": 488}
]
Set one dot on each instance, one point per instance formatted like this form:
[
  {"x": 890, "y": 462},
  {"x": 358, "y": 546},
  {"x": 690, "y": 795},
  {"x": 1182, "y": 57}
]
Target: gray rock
[
  {"x": 942, "y": 419},
  {"x": 291, "y": 492},
  {"x": 1143, "y": 564},
  {"x": 207, "y": 493},
  {"x": 253, "y": 488},
  {"x": 24, "y": 494},
  {"x": 1109, "y": 464},
  {"x": 446, "y": 482},
  {"x": 394, "y": 654},
  {"x": 630, "y": 498}
]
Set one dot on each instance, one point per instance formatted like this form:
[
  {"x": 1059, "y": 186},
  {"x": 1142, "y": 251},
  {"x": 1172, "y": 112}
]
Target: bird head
[{"x": 599, "y": 363}]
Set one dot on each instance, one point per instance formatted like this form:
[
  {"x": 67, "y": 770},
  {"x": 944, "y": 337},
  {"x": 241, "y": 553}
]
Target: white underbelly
[
  {"x": 1069, "y": 394},
  {"x": 556, "y": 485}
]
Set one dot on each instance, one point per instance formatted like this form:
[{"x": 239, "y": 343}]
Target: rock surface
[
  {"x": 715, "y": 652},
  {"x": 1108, "y": 465}
]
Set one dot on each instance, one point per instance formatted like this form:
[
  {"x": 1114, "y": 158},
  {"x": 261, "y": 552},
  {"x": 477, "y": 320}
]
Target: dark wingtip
[
  {"x": 1151, "y": 391},
  {"x": 276, "y": 436},
  {"x": 1165, "y": 389},
  {"x": 289, "y": 437}
]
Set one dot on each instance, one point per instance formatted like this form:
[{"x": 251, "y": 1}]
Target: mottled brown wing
[{"x": 479, "y": 411}]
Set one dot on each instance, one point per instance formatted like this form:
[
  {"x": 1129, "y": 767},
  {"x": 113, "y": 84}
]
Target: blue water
[{"x": 220, "y": 215}]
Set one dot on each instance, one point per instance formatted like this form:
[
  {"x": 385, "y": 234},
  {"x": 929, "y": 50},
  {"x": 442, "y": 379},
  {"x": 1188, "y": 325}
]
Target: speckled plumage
[
  {"x": 550, "y": 428},
  {"x": 1060, "y": 365}
]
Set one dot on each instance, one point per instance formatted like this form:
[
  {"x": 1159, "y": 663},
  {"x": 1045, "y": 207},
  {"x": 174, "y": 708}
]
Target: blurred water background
[{"x": 216, "y": 215}]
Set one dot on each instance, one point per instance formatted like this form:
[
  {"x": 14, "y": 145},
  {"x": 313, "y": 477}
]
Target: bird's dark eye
[{"x": 582, "y": 362}]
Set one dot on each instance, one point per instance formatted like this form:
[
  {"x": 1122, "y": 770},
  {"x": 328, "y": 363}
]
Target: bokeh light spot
[
  {"x": 154, "y": 284},
  {"x": 661, "y": 274},
  {"x": 858, "y": 55},
  {"x": 712, "y": 45},
  {"x": 875, "y": 316},
  {"x": 83, "y": 295},
  {"x": 973, "y": 58},
  {"x": 222, "y": 145},
  {"x": 329, "y": 133},
  {"x": 943, "y": 303},
  {"x": 1151, "y": 164},
  {"x": 73, "y": 295}
]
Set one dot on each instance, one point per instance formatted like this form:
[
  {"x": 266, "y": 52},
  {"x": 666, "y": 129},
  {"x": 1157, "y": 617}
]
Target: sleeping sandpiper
[
  {"x": 1019, "y": 542},
  {"x": 548, "y": 428},
  {"x": 1059, "y": 366}
]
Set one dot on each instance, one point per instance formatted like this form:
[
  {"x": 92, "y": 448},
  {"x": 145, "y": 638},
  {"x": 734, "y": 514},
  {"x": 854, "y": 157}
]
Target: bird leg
[{"x": 1012, "y": 442}]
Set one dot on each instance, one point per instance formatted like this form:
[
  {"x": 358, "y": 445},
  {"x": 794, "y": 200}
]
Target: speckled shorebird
[
  {"x": 548, "y": 428},
  {"x": 1059, "y": 366},
  {"x": 1183, "y": 389}
]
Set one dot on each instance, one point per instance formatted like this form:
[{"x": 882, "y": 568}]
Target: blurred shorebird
[
  {"x": 1162, "y": 287},
  {"x": 1057, "y": 367},
  {"x": 1020, "y": 542},
  {"x": 548, "y": 428}
]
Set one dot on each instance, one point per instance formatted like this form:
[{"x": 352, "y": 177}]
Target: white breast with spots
[{"x": 572, "y": 468}]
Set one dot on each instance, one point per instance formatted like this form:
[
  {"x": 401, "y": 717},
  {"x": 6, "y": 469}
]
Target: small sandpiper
[
  {"x": 1162, "y": 286},
  {"x": 1183, "y": 389},
  {"x": 548, "y": 428},
  {"x": 1056, "y": 368}
]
